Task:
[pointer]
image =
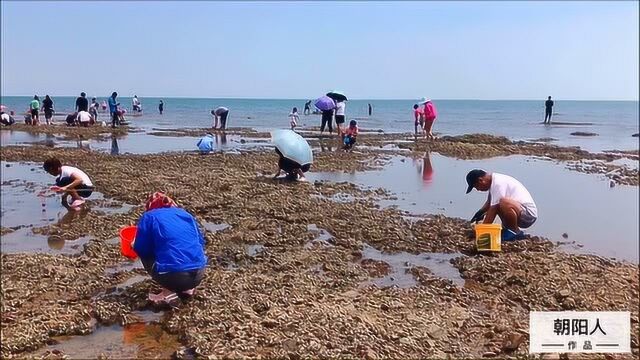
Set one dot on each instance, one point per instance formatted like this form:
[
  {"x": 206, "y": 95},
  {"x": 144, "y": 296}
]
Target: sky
[{"x": 369, "y": 50}]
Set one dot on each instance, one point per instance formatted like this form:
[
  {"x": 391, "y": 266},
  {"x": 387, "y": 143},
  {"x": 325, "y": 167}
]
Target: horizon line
[{"x": 354, "y": 99}]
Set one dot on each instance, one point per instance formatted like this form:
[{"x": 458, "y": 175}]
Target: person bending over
[
  {"x": 508, "y": 199},
  {"x": 292, "y": 169},
  {"x": 70, "y": 181}
]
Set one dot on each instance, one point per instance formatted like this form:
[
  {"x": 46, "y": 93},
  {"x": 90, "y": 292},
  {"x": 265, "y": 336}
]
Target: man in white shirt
[
  {"x": 135, "y": 104},
  {"x": 70, "y": 181},
  {"x": 508, "y": 199}
]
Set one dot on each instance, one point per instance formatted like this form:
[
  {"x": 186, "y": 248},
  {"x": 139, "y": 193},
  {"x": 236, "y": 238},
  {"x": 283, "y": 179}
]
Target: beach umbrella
[
  {"x": 292, "y": 146},
  {"x": 337, "y": 95},
  {"x": 325, "y": 103}
]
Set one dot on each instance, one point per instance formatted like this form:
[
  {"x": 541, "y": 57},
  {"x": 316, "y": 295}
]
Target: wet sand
[{"x": 316, "y": 269}]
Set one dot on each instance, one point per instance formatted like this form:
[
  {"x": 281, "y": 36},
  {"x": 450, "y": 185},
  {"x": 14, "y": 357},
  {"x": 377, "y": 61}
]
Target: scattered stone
[
  {"x": 512, "y": 342},
  {"x": 583, "y": 133}
]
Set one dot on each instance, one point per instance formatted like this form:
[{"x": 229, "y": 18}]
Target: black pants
[
  {"x": 547, "y": 115},
  {"x": 114, "y": 119},
  {"x": 82, "y": 189},
  {"x": 175, "y": 281},
  {"x": 223, "y": 119},
  {"x": 327, "y": 119}
]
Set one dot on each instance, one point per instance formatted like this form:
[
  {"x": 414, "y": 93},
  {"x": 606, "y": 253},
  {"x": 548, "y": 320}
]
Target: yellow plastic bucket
[{"x": 488, "y": 237}]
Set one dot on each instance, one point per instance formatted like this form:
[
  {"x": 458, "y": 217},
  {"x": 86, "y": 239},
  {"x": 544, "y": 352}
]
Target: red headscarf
[{"x": 158, "y": 200}]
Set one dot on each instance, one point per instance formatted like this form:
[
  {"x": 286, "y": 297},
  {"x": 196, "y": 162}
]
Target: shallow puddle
[
  {"x": 254, "y": 250},
  {"x": 136, "y": 142},
  {"x": 13, "y": 137},
  {"x": 323, "y": 237},
  {"x": 27, "y": 203},
  {"x": 138, "y": 340},
  {"x": 131, "y": 281},
  {"x": 400, "y": 264},
  {"x": 214, "y": 227},
  {"x": 28, "y": 200},
  {"x": 24, "y": 240},
  {"x": 126, "y": 265},
  {"x": 603, "y": 219},
  {"x": 339, "y": 197}
]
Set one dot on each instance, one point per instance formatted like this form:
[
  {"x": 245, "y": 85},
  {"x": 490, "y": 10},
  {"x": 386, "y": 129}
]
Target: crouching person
[
  {"x": 171, "y": 248},
  {"x": 70, "y": 181},
  {"x": 350, "y": 135}
]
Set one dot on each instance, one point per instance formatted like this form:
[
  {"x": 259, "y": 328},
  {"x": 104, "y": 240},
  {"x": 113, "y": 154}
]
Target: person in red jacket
[{"x": 430, "y": 115}]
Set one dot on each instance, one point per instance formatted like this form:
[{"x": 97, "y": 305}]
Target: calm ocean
[{"x": 613, "y": 121}]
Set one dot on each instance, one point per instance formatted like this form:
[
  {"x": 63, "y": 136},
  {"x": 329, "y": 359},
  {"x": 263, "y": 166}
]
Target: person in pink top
[
  {"x": 430, "y": 115},
  {"x": 418, "y": 116},
  {"x": 350, "y": 135}
]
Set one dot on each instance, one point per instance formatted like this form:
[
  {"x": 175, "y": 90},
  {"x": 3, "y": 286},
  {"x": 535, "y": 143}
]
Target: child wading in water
[
  {"x": 350, "y": 135},
  {"x": 294, "y": 118},
  {"x": 418, "y": 118},
  {"x": 70, "y": 181}
]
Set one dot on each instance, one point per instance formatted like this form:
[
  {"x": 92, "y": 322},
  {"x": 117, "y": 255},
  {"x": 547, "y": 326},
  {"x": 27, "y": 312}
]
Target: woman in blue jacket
[{"x": 171, "y": 248}]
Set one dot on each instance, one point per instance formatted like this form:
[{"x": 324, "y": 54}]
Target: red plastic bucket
[{"x": 127, "y": 235}]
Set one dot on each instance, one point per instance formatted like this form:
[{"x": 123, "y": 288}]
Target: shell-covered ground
[{"x": 299, "y": 296}]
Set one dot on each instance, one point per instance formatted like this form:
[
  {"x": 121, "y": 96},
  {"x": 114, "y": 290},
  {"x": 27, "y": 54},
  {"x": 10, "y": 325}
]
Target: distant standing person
[
  {"x": 161, "y": 107},
  {"x": 82, "y": 103},
  {"x": 307, "y": 107},
  {"x": 113, "y": 109},
  {"x": 34, "y": 106},
  {"x": 294, "y": 118},
  {"x": 93, "y": 109},
  {"x": 135, "y": 104},
  {"x": 430, "y": 115},
  {"x": 340, "y": 111},
  {"x": 548, "y": 110},
  {"x": 370, "y": 109},
  {"x": 47, "y": 107},
  {"x": 418, "y": 118},
  {"x": 222, "y": 113}
]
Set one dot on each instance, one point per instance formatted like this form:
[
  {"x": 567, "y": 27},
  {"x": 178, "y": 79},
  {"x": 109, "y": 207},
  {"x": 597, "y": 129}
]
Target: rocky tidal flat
[{"x": 277, "y": 286}]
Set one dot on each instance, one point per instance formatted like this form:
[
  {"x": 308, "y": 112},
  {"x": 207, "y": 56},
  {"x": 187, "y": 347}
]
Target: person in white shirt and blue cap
[{"x": 508, "y": 199}]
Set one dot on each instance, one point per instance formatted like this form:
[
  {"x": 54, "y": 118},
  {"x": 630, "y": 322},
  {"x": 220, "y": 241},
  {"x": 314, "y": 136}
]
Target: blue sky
[{"x": 370, "y": 50}]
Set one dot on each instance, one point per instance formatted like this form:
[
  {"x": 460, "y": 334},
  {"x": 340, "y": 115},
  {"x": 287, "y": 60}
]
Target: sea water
[{"x": 613, "y": 121}]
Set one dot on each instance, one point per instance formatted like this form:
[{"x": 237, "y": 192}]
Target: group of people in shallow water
[{"x": 84, "y": 114}]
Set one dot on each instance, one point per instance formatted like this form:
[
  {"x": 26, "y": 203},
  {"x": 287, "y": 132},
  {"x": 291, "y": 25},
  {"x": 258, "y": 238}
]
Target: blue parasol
[{"x": 292, "y": 146}]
